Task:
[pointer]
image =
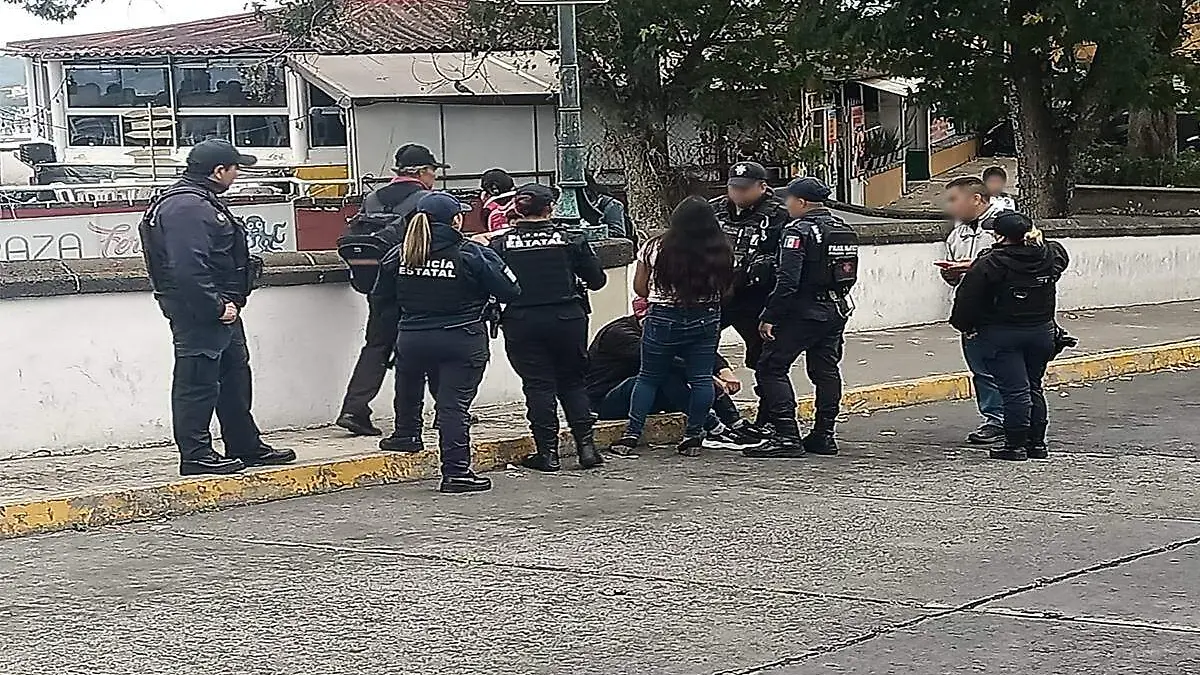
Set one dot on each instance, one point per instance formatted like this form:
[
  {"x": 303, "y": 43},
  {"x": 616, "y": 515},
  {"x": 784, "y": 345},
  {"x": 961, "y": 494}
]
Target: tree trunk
[
  {"x": 649, "y": 183},
  {"x": 1043, "y": 154},
  {"x": 1153, "y": 134}
]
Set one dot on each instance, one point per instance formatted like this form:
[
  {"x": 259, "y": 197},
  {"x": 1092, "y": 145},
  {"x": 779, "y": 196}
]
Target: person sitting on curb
[
  {"x": 967, "y": 201},
  {"x": 616, "y": 357}
]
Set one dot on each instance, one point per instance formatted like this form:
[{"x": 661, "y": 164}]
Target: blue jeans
[
  {"x": 673, "y": 397},
  {"x": 1016, "y": 356},
  {"x": 991, "y": 405},
  {"x": 691, "y": 334}
]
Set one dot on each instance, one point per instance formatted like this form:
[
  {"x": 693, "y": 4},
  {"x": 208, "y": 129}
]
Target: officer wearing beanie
[
  {"x": 442, "y": 285},
  {"x": 200, "y": 267},
  {"x": 546, "y": 328},
  {"x": 806, "y": 314},
  {"x": 752, "y": 216}
]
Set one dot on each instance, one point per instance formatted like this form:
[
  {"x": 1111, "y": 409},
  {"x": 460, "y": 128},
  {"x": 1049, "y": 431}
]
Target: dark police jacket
[
  {"x": 549, "y": 261},
  {"x": 754, "y": 234},
  {"x": 1010, "y": 285},
  {"x": 198, "y": 259},
  {"x": 798, "y": 294},
  {"x": 452, "y": 289},
  {"x": 398, "y": 197}
]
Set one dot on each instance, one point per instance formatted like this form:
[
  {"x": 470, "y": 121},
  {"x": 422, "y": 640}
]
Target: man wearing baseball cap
[
  {"x": 392, "y": 206},
  {"x": 752, "y": 216},
  {"x": 199, "y": 265},
  {"x": 806, "y": 313}
]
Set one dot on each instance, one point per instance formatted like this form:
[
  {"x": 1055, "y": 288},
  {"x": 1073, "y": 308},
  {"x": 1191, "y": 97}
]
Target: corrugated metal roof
[
  {"x": 359, "y": 27},
  {"x": 379, "y": 76}
]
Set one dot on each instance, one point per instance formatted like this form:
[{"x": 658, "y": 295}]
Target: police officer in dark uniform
[
  {"x": 806, "y": 313},
  {"x": 752, "y": 216},
  {"x": 416, "y": 171},
  {"x": 443, "y": 286},
  {"x": 546, "y": 328},
  {"x": 201, "y": 270}
]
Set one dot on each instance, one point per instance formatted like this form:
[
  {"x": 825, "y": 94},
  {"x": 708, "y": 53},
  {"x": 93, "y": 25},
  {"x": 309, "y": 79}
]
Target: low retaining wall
[
  {"x": 85, "y": 355},
  {"x": 86, "y": 358},
  {"x": 1130, "y": 199}
]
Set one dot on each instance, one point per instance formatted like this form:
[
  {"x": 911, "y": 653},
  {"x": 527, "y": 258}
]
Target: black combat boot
[
  {"x": 585, "y": 446},
  {"x": 546, "y": 457},
  {"x": 1036, "y": 447},
  {"x": 457, "y": 485},
  {"x": 1015, "y": 440},
  {"x": 821, "y": 443}
]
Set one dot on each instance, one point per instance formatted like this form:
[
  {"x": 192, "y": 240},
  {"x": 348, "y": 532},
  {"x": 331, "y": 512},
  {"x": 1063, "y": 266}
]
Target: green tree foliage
[{"x": 1060, "y": 70}]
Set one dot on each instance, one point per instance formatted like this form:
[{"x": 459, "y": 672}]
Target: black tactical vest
[
  {"x": 439, "y": 288},
  {"x": 831, "y": 260},
  {"x": 540, "y": 257}
]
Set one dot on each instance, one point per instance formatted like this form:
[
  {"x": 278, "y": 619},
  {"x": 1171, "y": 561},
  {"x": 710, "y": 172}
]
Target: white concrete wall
[
  {"x": 87, "y": 371},
  {"x": 95, "y": 370}
]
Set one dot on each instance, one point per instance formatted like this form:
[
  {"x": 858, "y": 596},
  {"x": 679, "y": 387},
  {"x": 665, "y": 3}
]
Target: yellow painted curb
[{"x": 178, "y": 497}]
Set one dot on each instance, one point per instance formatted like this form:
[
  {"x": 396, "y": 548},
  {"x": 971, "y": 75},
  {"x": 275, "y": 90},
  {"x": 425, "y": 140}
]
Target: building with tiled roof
[{"x": 371, "y": 75}]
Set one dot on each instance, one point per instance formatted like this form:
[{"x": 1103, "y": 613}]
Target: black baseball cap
[
  {"x": 537, "y": 196},
  {"x": 441, "y": 207},
  {"x": 746, "y": 174},
  {"x": 1011, "y": 225},
  {"x": 412, "y": 155},
  {"x": 809, "y": 189},
  {"x": 206, "y": 156}
]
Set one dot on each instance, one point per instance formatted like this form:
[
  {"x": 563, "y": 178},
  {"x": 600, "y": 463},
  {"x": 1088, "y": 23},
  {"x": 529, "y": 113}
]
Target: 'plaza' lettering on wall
[{"x": 270, "y": 228}]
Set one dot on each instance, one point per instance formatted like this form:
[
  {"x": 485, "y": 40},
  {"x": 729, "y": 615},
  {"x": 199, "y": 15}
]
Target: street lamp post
[{"x": 570, "y": 119}]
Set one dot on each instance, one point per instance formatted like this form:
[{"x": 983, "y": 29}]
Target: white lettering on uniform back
[
  {"x": 535, "y": 240},
  {"x": 437, "y": 268}
]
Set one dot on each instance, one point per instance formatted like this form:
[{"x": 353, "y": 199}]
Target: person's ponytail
[
  {"x": 1034, "y": 236},
  {"x": 416, "y": 241}
]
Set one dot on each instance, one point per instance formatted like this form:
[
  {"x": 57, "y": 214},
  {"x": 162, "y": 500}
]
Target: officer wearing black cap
[
  {"x": 546, "y": 328},
  {"x": 442, "y": 285},
  {"x": 416, "y": 172},
  {"x": 752, "y": 216},
  {"x": 806, "y": 313},
  {"x": 201, "y": 270}
]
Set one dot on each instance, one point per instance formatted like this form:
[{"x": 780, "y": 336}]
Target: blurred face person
[
  {"x": 746, "y": 195},
  {"x": 996, "y": 185},
  {"x": 966, "y": 200}
]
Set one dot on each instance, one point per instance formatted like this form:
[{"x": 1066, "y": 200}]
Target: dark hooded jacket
[{"x": 1010, "y": 285}]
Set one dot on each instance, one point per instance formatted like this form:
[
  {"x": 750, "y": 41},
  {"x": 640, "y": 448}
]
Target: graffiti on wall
[{"x": 271, "y": 228}]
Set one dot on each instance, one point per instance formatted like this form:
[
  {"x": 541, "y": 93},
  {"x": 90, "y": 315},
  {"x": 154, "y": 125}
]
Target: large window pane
[
  {"x": 260, "y": 131},
  {"x": 91, "y": 130},
  {"x": 326, "y": 128},
  {"x": 230, "y": 84},
  {"x": 193, "y": 129},
  {"x": 116, "y": 87}
]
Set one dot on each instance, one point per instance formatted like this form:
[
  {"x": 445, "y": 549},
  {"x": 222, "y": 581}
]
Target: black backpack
[
  {"x": 839, "y": 272},
  {"x": 370, "y": 236}
]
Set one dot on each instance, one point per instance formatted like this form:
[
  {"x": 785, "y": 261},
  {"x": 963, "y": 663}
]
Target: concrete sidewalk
[{"x": 883, "y": 369}]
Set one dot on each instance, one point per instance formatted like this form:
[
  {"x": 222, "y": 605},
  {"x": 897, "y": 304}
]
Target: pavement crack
[
  {"x": 559, "y": 569},
  {"x": 1054, "y": 617},
  {"x": 967, "y": 607}
]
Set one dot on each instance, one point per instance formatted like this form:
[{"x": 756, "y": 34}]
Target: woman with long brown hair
[{"x": 684, "y": 273}]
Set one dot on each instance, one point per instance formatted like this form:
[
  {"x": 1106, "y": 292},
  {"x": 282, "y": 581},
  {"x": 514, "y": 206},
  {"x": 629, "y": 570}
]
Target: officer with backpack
[
  {"x": 546, "y": 328},
  {"x": 201, "y": 270},
  {"x": 806, "y": 313},
  {"x": 371, "y": 234}
]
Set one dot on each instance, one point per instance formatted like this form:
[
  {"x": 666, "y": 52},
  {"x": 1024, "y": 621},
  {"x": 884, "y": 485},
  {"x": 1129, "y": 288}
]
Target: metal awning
[
  {"x": 900, "y": 86},
  {"x": 401, "y": 76}
]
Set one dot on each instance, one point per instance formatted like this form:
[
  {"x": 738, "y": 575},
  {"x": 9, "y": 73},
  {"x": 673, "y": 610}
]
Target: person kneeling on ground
[{"x": 615, "y": 357}]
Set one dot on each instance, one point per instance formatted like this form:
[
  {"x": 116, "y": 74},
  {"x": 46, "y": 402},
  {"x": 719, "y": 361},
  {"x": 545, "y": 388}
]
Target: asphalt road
[{"x": 906, "y": 554}]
